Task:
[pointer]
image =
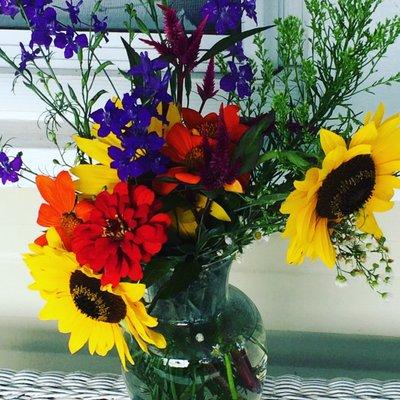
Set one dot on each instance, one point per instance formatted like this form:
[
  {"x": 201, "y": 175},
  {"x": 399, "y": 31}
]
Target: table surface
[{"x": 27, "y": 385}]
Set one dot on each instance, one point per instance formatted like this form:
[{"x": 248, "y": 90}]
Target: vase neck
[{"x": 204, "y": 298}]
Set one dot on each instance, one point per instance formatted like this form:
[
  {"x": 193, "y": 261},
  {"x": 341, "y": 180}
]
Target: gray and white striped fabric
[{"x": 29, "y": 385}]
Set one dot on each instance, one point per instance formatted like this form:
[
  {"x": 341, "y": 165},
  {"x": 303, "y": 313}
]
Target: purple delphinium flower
[
  {"x": 27, "y": 56},
  {"x": 44, "y": 25},
  {"x": 9, "y": 168},
  {"x": 140, "y": 154},
  {"x": 153, "y": 86},
  {"x": 9, "y": 7},
  {"x": 135, "y": 112},
  {"x": 227, "y": 15},
  {"x": 70, "y": 42},
  {"x": 249, "y": 6},
  {"x": 237, "y": 51},
  {"x": 111, "y": 119},
  {"x": 238, "y": 79},
  {"x": 100, "y": 26},
  {"x": 73, "y": 11}
]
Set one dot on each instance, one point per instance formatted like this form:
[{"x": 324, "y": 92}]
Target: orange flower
[
  {"x": 61, "y": 211},
  {"x": 207, "y": 126},
  {"x": 186, "y": 150}
]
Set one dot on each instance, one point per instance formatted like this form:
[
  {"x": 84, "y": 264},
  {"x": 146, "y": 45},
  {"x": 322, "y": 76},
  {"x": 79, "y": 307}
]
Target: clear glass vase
[{"x": 216, "y": 344}]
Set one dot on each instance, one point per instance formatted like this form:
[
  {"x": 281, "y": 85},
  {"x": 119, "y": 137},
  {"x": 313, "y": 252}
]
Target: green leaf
[
  {"x": 296, "y": 158},
  {"x": 268, "y": 199},
  {"x": 141, "y": 25},
  {"x": 188, "y": 86},
  {"x": 133, "y": 56},
  {"x": 268, "y": 156},
  {"x": 94, "y": 99},
  {"x": 229, "y": 41},
  {"x": 134, "y": 59},
  {"x": 156, "y": 269},
  {"x": 103, "y": 66},
  {"x": 72, "y": 93},
  {"x": 249, "y": 147}
]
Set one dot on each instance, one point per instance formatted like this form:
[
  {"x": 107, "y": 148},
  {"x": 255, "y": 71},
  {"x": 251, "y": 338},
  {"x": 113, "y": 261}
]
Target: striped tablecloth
[{"x": 27, "y": 385}]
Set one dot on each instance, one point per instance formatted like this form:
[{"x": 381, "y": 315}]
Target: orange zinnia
[
  {"x": 61, "y": 211},
  {"x": 186, "y": 150},
  {"x": 207, "y": 126}
]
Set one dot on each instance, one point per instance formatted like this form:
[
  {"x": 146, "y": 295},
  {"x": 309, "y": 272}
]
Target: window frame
[{"x": 115, "y": 52}]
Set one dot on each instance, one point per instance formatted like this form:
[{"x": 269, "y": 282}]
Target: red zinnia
[{"x": 124, "y": 230}]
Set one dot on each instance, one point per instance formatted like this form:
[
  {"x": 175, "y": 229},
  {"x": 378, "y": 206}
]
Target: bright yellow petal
[
  {"x": 323, "y": 244},
  {"x": 80, "y": 335},
  {"x": 330, "y": 141},
  {"x": 235, "y": 187},
  {"x": 132, "y": 291},
  {"x": 378, "y": 205},
  {"x": 95, "y": 149},
  {"x": 94, "y": 178},
  {"x": 365, "y": 135},
  {"x": 366, "y": 222},
  {"x": 215, "y": 209}
]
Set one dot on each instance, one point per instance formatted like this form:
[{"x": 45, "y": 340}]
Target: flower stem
[{"x": 229, "y": 374}]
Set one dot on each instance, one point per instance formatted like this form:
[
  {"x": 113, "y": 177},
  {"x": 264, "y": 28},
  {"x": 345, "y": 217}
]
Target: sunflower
[
  {"x": 89, "y": 312},
  {"x": 355, "y": 181},
  {"x": 94, "y": 178}
]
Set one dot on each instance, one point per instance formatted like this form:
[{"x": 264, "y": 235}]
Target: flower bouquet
[{"x": 141, "y": 229}]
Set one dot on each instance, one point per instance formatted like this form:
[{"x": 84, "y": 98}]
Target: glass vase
[{"x": 216, "y": 344}]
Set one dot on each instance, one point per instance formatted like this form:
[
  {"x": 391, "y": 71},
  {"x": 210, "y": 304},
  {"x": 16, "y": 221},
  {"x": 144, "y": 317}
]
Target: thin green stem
[{"x": 229, "y": 374}]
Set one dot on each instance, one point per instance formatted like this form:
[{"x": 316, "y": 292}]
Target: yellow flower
[
  {"x": 90, "y": 313},
  {"x": 94, "y": 178},
  {"x": 354, "y": 180},
  {"x": 185, "y": 222},
  {"x": 173, "y": 117}
]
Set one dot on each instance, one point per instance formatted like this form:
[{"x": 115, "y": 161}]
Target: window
[{"x": 20, "y": 111}]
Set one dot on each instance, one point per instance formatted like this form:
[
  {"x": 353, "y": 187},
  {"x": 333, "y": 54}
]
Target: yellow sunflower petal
[
  {"x": 378, "y": 117},
  {"x": 79, "y": 337},
  {"x": 378, "y": 205},
  {"x": 158, "y": 339},
  {"x": 94, "y": 178},
  {"x": 132, "y": 291},
  {"x": 366, "y": 222},
  {"x": 323, "y": 244},
  {"x": 330, "y": 141},
  {"x": 365, "y": 135},
  {"x": 388, "y": 168},
  {"x": 296, "y": 252},
  {"x": 122, "y": 348}
]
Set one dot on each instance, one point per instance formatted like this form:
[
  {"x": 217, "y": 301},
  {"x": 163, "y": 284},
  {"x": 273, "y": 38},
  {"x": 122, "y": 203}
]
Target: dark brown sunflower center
[
  {"x": 115, "y": 229},
  {"x": 93, "y": 302},
  {"x": 346, "y": 189},
  {"x": 195, "y": 157},
  {"x": 69, "y": 221},
  {"x": 208, "y": 129}
]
